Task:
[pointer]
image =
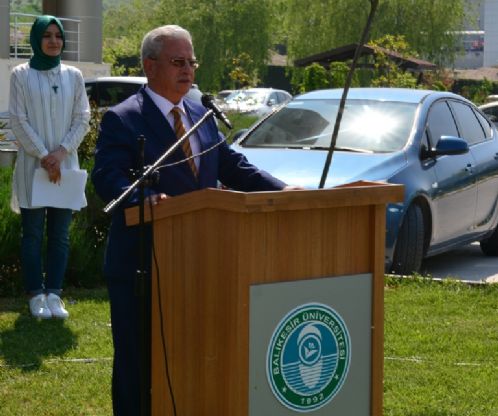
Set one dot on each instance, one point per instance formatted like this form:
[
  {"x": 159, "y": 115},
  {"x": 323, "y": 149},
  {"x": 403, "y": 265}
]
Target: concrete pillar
[
  {"x": 90, "y": 14},
  {"x": 4, "y": 29},
  {"x": 490, "y": 33}
]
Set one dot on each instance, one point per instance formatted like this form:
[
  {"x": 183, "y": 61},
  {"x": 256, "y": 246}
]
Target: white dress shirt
[{"x": 165, "y": 106}]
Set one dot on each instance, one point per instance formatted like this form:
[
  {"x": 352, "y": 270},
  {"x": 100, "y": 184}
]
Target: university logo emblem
[{"x": 308, "y": 357}]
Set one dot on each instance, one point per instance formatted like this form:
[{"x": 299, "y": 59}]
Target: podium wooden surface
[{"x": 212, "y": 245}]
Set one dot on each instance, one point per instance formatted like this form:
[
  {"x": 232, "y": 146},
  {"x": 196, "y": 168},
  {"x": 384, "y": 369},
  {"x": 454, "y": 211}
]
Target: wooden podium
[{"x": 212, "y": 245}]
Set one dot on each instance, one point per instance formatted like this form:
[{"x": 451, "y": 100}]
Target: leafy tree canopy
[
  {"x": 429, "y": 26},
  {"x": 25, "y": 6},
  {"x": 222, "y": 31},
  {"x": 226, "y": 31}
]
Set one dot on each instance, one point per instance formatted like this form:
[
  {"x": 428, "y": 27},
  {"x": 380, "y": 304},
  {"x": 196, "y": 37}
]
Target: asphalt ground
[{"x": 467, "y": 263}]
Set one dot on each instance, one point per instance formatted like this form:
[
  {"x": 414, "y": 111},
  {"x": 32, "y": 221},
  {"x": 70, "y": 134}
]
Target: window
[
  {"x": 485, "y": 124},
  {"x": 470, "y": 128},
  {"x": 367, "y": 125},
  {"x": 282, "y": 97},
  {"x": 441, "y": 122},
  {"x": 112, "y": 93},
  {"x": 272, "y": 99},
  {"x": 492, "y": 111},
  {"x": 91, "y": 91}
]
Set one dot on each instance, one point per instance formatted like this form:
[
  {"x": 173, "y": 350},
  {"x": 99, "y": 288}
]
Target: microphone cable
[
  {"x": 225, "y": 139},
  {"x": 161, "y": 313},
  {"x": 178, "y": 162}
]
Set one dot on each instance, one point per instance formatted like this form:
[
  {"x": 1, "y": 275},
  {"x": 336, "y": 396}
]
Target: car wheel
[
  {"x": 489, "y": 246},
  {"x": 409, "y": 249}
]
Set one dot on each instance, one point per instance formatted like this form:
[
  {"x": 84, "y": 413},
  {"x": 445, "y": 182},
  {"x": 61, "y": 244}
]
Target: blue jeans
[{"x": 33, "y": 227}]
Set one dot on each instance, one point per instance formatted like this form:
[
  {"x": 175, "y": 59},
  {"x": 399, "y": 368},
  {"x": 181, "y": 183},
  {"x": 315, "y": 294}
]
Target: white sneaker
[
  {"x": 39, "y": 308},
  {"x": 56, "y": 306}
]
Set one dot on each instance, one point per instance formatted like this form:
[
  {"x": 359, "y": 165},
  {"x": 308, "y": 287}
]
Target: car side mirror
[
  {"x": 449, "y": 145},
  {"x": 271, "y": 102}
]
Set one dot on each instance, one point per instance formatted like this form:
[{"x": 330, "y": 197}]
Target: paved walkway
[{"x": 466, "y": 263}]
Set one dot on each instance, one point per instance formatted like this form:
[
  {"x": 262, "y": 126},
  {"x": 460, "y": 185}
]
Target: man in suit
[{"x": 169, "y": 63}]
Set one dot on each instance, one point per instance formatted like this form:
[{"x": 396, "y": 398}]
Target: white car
[
  {"x": 220, "y": 97},
  {"x": 491, "y": 110},
  {"x": 255, "y": 101}
]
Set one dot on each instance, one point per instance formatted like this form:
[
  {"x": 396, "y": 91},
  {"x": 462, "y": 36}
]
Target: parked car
[
  {"x": 222, "y": 95},
  {"x": 103, "y": 91},
  {"x": 491, "y": 110},
  {"x": 437, "y": 144},
  {"x": 255, "y": 101},
  {"x": 8, "y": 144},
  {"x": 109, "y": 91}
]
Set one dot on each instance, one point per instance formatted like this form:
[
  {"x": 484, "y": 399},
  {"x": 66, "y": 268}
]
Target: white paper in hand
[{"x": 68, "y": 193}]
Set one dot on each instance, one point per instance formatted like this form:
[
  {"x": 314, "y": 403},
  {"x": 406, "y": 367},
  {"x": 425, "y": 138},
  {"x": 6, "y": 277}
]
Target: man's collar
[{"x": 162, "y": 103}]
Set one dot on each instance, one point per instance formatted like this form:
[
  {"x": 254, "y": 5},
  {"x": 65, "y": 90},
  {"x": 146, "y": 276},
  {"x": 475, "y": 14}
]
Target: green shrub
[
  {"x": 88, "y": 234},
  {"x": 315, "y": 77},
  {"x": 10, "y": 242}
]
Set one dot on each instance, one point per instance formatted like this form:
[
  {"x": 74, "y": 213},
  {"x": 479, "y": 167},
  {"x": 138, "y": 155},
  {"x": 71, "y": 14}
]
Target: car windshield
[
  {"x": 366, "y": 125},
  {"x": 247, "y": 97}
]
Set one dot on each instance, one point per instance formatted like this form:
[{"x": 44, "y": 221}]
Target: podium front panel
[
  {"x": 310, "y": 347},
  {"x": 231, "y": 270}
]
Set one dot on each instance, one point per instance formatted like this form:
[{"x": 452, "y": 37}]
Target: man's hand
[{"x": 155, "y": 199}]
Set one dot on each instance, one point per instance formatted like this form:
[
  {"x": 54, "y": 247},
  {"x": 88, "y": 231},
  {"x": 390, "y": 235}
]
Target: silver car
[
  {"x": 255, "y": 101},
  {"x": 437, "y": 144}
]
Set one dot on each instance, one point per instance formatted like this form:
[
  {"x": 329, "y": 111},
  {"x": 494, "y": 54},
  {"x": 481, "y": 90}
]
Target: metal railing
[{"x": 20, "y": 26}]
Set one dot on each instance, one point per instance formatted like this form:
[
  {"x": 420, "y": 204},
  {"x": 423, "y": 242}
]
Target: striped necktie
[{"x": 180, "y": 131}]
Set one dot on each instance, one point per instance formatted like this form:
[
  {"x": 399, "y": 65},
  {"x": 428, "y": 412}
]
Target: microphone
[{"x": 207, "y": 101}]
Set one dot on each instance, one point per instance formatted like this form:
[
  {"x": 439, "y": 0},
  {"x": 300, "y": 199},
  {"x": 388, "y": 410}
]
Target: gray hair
[{"x": 155, "y": 40}]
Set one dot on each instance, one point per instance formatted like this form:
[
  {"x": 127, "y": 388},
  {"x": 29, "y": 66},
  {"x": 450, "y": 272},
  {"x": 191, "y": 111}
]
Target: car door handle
[
  {"x": 496, "y": 156},
  {"x": 469, "y": 168}
]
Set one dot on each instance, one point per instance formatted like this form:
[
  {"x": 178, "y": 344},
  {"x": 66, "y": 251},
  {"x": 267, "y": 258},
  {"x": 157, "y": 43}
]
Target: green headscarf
[{"x": 39, "y": 60}]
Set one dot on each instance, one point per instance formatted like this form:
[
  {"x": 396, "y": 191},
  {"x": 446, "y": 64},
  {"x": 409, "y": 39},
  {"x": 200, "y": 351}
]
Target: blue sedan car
[{"x": 437, "y": 144}]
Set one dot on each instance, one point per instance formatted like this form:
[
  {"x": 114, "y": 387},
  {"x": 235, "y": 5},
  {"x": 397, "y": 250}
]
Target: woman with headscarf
[{"x": 49, "y": 115}]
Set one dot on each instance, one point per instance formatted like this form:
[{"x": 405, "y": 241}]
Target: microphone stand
[
  {"x": 143, "y": 282},
  {"x": 342, "y": 103}
]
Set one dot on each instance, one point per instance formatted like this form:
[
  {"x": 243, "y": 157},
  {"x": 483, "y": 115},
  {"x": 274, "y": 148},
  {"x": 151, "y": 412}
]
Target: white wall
[
  {"x": 491, "y": 33},
  {"x": 89, "y": 70}
]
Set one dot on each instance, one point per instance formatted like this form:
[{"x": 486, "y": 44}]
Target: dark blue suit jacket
[{"x": 117, "y": 153}]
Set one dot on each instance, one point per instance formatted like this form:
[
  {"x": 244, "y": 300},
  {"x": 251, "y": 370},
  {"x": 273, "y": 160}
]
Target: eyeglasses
[{"x": 182, "y": 62}]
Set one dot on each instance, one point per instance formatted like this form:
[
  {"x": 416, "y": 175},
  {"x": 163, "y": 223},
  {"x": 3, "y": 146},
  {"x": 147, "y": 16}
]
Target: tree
[
  {"x": 222, "y": 30},
  {"x": 315, "y": 77},
  {"x": 25, "y": 6},
  {"x": 386, "y": 71},
  {"x": 429, "y": 26},
  {"x": 241, "y": 75},
  {"x": 124, "y": 27},
  {"x": 339, "y": 73}
]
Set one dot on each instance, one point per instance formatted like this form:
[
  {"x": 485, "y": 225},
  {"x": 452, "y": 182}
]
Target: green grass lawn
[
  {"x": 53, "y": 367},
  {"x": 440, "y": 349},
  {"x": 441, "y": 353}
]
